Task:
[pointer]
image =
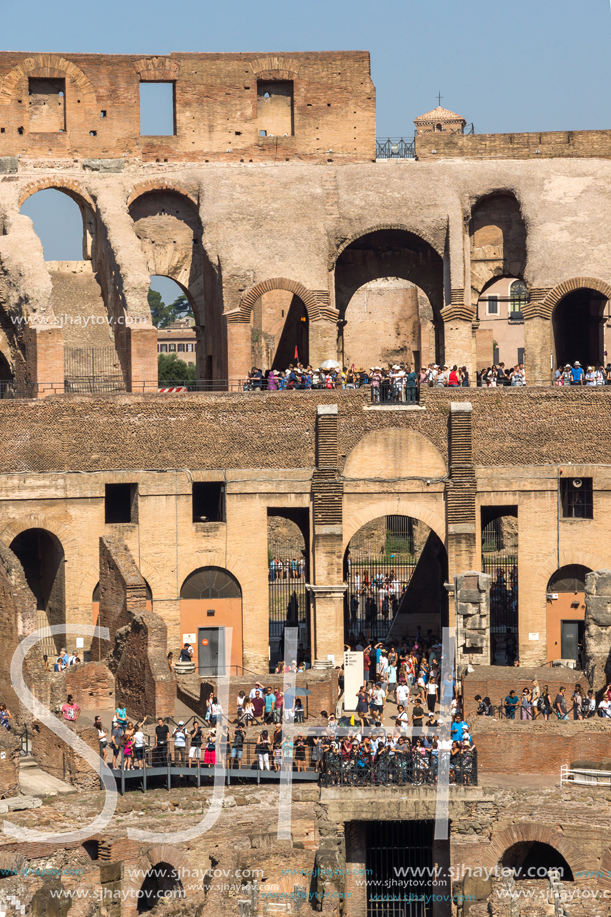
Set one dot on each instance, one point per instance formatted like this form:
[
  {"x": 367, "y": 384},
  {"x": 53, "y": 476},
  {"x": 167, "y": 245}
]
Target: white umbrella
[{"x": 330, "y": 364}]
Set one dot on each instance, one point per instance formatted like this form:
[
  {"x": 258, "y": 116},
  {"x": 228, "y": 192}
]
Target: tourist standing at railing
[
  {"x": 237, "y": 746},
  {"x": 195, "y": 751},
  {"x": 577, "y": 699},
  {"x": 526, "y": 705},
  {"x": 180, "y": 745},
  {"x": 560, "y": 705},
  {"x": 115, "y": 742},
  {"x": 97, "y": 724},
  {"x": 511, "y": 702}
]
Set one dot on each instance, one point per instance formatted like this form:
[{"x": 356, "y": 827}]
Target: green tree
[
  {"x": 164, "y": 315},
  {"x": 171, "y": 369}
]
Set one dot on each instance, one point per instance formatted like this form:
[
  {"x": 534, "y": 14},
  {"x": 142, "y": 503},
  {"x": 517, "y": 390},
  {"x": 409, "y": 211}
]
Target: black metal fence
[
  {"x": 501, "y": 562},
  {"x": 398, "y": 393},
  {"x": 378, "y": 573},
  {"x": 407, "y": 768},
  {"x": 395, "y": 148}
]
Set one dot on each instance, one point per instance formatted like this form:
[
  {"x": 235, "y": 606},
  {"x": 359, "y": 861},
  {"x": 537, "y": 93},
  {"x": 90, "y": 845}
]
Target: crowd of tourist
[
  {"x": 577, "y": 375},
  {"x": 290, "y": 568},
  {"x": 542, "y": 703}
]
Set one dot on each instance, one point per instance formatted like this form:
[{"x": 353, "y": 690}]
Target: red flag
[{"x": 296, "y": 354}]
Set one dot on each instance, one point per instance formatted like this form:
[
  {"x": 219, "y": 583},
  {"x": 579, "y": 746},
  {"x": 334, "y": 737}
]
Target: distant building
[
  {"x": 440, "y": 120},
  {"x": 178, "y": 338}
]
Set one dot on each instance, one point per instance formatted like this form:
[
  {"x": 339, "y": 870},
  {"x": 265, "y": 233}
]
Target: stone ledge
[{"x": 394, "y": 407}]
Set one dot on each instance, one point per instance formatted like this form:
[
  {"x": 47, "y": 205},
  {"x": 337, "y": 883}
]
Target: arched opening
[
  {"x": 172, "y": 312},
  {"x": 500, "y": 561},
  {"x": 395, "y": 568},
  {"x": 399, "y": 317},
  {"x": 41, "y": 555},
  {"x": 161, "y": 882},
  {"x": 535, "y": 860},
  {"x": 6, "y": 377},
  {"x": 83, "y": 295},
  {"x": 210, "y": 602},
  {"x": 500, "y": 336},
  {"x": 578, "y": 324},
  {"x": 498, "y": 241},
  {"x": 169, "y": 228},
  {"x": 288, "y": 567},
  {"x": 566, "y": 607},
  {"x": 279, "y": 331}
]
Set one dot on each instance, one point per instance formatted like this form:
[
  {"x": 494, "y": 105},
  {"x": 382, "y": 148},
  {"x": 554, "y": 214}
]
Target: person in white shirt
[
  {"x": 604, "y": 708},
  {"x": 139, "y": 744},
  {"x": 403, "y": 694},
  {"x": 180, "y": 745}
]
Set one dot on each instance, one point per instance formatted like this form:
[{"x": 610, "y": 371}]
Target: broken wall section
[{"x": 144, "y": 683}]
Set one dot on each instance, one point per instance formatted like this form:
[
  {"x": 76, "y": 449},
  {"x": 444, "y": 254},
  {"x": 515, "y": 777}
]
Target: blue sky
[{"x": 524, "y": 65}]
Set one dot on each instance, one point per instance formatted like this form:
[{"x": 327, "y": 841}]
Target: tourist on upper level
[
  {"x": 577, "y": 374},
  {"x": 560, "y": 705}
]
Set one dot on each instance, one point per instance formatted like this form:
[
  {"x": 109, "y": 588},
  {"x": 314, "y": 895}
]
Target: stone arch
[
  {"x": 400, "y": 505},
  {"x": 162, "y": 853},
  {"x": 87, "y": 585},
  {"x": 524, "y": 832},
  {"x": 547, "y": 569},
  {"x": 250, "y": 297},
  {"x": 546, "y": 307},
  {"x": 605, "y": 869},
  {"x": 69, "y": 186},
  {"x": 46, "y": 65},
  {"x": 160, "y": 184},
  {"x": 416, "y": 231},
  {"x": 157, "y": 69},
  {"x": 62, "y": 532},
  {"x": 279, "y": 68},
  {"x": 217, "y": 559},
  {"x": 391, "y": 446}
]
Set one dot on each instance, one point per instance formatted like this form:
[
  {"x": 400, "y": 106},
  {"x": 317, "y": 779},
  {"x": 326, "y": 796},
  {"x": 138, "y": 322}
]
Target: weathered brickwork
[{"x": 58, "y": 758}]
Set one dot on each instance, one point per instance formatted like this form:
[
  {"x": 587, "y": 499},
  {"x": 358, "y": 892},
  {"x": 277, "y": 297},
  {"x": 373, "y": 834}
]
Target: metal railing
[
  {"x": 387, "y": 393},
  {"x": 395, "y": 148},
  {"x": 398, "y": 769}
]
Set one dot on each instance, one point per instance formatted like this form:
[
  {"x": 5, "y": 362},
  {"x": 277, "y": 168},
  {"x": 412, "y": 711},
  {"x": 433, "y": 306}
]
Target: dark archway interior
[
  {"x": 571, "y": 578},
  {"x": 160, "y": 882},
  {"x": 5, "y": 369},
  {"x": 42, "y": 558},
  {"x": 391, "y": 253},
  {"x": 578, "y": 328},
  {"x": 532, "y": 860},
  {"x": 293, "y": 345}
]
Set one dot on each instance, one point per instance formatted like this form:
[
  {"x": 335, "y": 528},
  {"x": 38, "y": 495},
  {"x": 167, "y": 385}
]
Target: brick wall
[
  {"x": 276, "y": 430},
  {"x": 545, "y": 145},
  {"x": 522, "y": 747},
  {"x": 9, "y": 763},
  {"x": 496, "y": 682},
  {"x": 143, "y": 682},
  {"x": 56, "y": 757},
  {"x": 92, "y": 686},
  {"x": 216, "y": 107}
]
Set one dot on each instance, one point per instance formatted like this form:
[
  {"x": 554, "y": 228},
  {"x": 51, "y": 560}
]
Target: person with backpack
[{"x": 484, "y": 707}]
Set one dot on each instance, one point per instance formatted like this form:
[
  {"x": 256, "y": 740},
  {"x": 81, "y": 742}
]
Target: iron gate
[
  {"x": 399, "y": 864},
  {"x": 378, "y": 572},
  {"x": 92, "y": 369},
  {"x": 501, "y": 563},
  {"x": 288, "y": 597}
]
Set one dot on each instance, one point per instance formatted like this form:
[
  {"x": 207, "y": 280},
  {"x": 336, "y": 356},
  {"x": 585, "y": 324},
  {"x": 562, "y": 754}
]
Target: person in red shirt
[
  {"x": 70, "y": 710},
  {"x": 259, "y": 705}
]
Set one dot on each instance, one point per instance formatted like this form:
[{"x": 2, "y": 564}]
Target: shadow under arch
[{"x": 41, "y": 554}]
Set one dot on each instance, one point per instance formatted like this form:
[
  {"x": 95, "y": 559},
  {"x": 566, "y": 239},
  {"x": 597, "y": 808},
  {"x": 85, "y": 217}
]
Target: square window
[
  {"x": 275, "y": 108},
  {"x": 157, "y": 109},
  {"x": 121, "y": 504},
  {"x": 493, "y": 305},
  {"x": 576, "y": 496},
  {"x": 47, "y": 105},
  {"x": 208, "y": 501}
]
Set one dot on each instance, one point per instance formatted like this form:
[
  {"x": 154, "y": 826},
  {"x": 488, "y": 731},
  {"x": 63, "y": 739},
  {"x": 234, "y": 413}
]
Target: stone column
[
  {"x": 460, "y": 493},
  {"x": 458, "y": 332},
  {"x": 328, "y": 587},
  {"x": 44, "y": 347},
  {"x": 323, "y": 340},
  {"x": 538, "y": 339},
  {"x": 239, "y": 348},
  {"x": 598, "y": 628},
  {"x": 472, "y": 601},
  {"x": 142, "y": 342}
]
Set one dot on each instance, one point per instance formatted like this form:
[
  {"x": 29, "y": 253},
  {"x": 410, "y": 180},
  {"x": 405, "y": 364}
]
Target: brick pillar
[
  {"x": 356, "y": 864},
  {"x": 328, "y": 588},
  {"x": 539, "y": 350},
  {"x": 142, "y": 344},
  {"x": 44, "y": 347},
  {"x": 323, "y": 341},
  {"x": 460, "y": 493},
  {"x": 598, "y": 628},
  {"x": 459, "y": 333},
  {"x": 239, "y": 348},
  {"x": 472, "y": 602}
]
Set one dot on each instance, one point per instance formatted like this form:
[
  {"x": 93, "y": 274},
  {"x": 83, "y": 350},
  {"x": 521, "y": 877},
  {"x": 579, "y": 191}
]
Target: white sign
[
  {"x": 189, "y": 638},
  {"x": 533, "y": 636},
  {"x": 80, "y": 643},
  {"x": 3, "y": 755},
  {"x": 331, "y": 658},
  {"x": 353, "y": 678}
]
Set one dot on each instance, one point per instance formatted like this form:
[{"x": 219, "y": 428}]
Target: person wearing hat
[
  {"x": 567, "y": 377},
  {"x": 180, "y": 745},
  {"x": 577, "y": 373},
  {"x": 210, "y": 751}
]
